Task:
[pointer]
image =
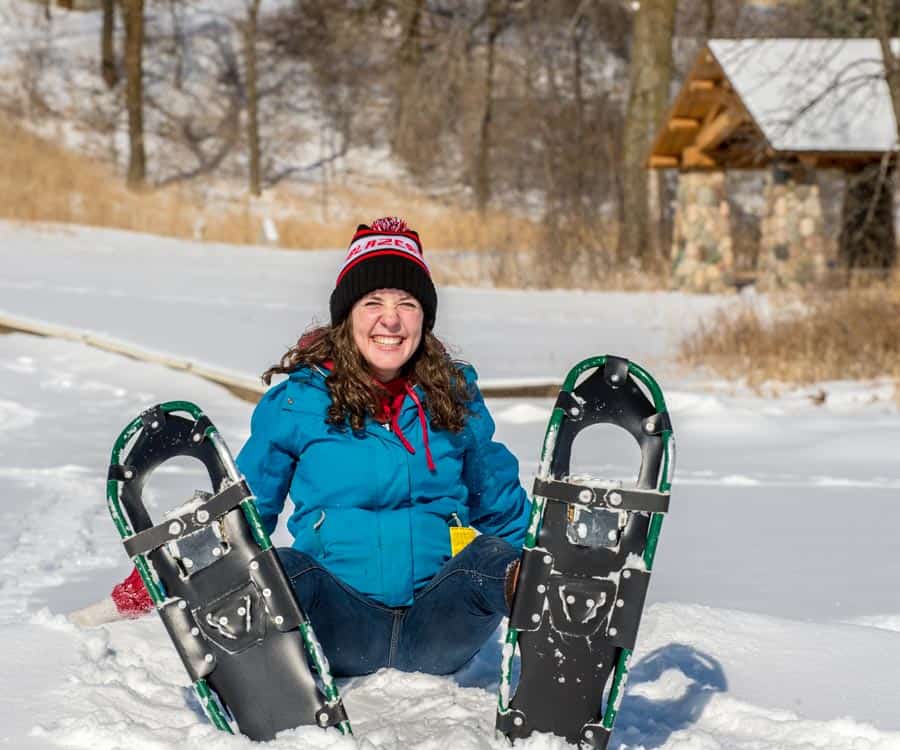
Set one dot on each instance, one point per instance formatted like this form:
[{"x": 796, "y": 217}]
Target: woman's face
[{"x": 387, "y": 329}]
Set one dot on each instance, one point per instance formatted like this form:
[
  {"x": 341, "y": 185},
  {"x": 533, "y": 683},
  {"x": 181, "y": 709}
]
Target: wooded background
[{"x": 542, "y": 109}]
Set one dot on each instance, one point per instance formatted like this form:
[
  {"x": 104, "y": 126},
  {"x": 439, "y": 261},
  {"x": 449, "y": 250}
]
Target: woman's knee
[{"x": 491, "y": 555}]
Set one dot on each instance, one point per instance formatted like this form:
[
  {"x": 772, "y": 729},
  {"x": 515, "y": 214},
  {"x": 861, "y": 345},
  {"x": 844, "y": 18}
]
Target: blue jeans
[{"x": 447, "y": 624}]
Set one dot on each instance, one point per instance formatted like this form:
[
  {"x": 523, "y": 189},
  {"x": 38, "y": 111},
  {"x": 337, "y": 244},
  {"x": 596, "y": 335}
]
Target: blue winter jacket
[{"x": 364, "y": 506}]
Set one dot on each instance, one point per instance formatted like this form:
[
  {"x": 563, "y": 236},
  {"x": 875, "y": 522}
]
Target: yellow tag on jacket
[{"x": 460, "y": 537}]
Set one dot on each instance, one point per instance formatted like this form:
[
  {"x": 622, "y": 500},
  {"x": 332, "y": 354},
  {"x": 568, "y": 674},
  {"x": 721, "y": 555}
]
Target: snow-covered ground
[{"x": 773, "y": 619}]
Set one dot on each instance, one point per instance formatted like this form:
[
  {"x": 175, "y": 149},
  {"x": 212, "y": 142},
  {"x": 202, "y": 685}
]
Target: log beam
[
  {"x": 716, "y": 131},
  {"x": 683, "y": 123},
  {"x": 658, "y": 161},
  {"x": 693, "y": 158},
  {"x": 701, "y": 85}
]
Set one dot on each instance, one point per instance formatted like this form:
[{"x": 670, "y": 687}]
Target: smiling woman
[
  {"x": 408, "y": 518},
  {"x": 387, "y": 330}
]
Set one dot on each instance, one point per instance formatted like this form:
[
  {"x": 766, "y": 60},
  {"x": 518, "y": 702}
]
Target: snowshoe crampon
[
  {"x": 586, "y": 561},
  {"x": 218, "y": 584}
]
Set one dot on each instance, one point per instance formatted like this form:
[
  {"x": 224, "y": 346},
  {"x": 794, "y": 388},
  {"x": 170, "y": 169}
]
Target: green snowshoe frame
[
  {"x": 208, "y": 699},
  {"x": 663, "y": 485}
]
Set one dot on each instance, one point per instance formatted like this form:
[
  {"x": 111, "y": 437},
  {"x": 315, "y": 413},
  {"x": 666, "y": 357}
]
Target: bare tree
[
  {"x": 483, "y": 152},
  {"x": 884, "y": 27},
  {"x": 108, "y": 68},
  {"x": 134, "y": 92},
  {"x": 650, "y": 74},
  {"x": 249, "y": 30},
  {"x": 709, "y": 17}
]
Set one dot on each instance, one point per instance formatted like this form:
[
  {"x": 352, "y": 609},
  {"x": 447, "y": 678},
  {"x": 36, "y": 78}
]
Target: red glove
[{"x": 131, "y": 597}]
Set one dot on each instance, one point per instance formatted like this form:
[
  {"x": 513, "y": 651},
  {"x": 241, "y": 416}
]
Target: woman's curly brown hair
[{"x": 355, "y": 394}]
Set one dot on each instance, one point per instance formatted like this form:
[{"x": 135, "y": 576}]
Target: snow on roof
[{"x": 812, "y": 94}]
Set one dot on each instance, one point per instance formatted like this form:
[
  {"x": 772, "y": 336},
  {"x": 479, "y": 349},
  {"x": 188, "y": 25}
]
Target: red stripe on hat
[{"x": 379, "y": 253}]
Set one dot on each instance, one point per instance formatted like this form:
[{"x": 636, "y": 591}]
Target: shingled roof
[{"x": 748, "y": 102}]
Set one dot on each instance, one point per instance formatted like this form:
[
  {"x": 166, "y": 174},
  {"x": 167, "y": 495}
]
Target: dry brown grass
[
  {"x": 826, "y": 335},
  {"x": 41, "y": 181}
]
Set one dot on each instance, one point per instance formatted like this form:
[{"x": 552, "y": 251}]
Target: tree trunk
[
  {"x": 252, "y": 97},
  {"x": 709, "y": 18},
  {"x": 108, "y": 69},
  {"x": 650, "y": 72},
  {"x": 578, "y": 95},
  {"x": 411, "y": 47},
  {"x": 483, "y": 154},
  {"x": 134, "y": 91}
]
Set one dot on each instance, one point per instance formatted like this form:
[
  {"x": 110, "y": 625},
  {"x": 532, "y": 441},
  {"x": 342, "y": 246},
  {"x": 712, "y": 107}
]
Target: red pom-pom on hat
[{"x": 389, "y": 224}]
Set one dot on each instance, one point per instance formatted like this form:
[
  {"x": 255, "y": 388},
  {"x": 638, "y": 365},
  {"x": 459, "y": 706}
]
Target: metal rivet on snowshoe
[
  {"x": 547, "y": 559},
  {"x": 570, "y": 599},
  {"x": 175, "y": 528},
  {"x": 615, "y": 499},
  {"x": 182, "y": 604},
  {"x": 518, "y": 721},
  {"x": 323, "y": 718},
  {"x": 589, "y": 733},
  {"x": 541, "y": 588},
  {"x": 195, "y": 631},
  {"x": 626, "y": 574},
  {"x": 589, "y": 602},
  {"x": 586, "y": 495},
  {"x": 620, "y": 602},
  {"x": 612, "y": 535},
  {"x": 267, "y": 592},
  {"x": 129, "y": 474},
  {"x": 223, "y": 620},
  {"x": 535, "y": 617},
  {"x": 613, "y": 631},
  {"x": 242, "y": 611},
  {"x": 279, "y": 619},
  {"x": 197, "y": 437},
  {"x": 154, "y": 424},
  {"x": 208, "y": 657},
  {"x": 188, "y": 563},
  {"x": 217, "y": 551},
  {"x": 254, "y": 565},
  {"x": 202, "y": 516},
  {"x": 614, "y": 377},
  {"x": 574, "y": 411}
]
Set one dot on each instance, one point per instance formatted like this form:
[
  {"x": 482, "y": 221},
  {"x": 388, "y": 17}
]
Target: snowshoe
[
  {"x": 218, "y": 584},
  {"x": 586, "y": 561}
]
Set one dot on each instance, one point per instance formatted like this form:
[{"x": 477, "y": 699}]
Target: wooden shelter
[
  {"x": 746, "y": 103},
  {"x": 789, "y": 105}
]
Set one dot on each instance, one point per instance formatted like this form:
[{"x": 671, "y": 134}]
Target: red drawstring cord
[{"x": 422, "y": 421}]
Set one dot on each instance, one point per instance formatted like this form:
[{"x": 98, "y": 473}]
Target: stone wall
[
  {"x": 702, "y": 250},
  {"x": 794, "y": 251}
]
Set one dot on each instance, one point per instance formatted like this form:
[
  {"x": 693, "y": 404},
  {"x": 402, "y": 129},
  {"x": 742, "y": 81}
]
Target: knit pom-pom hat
[{"x": 385, "y": 255}]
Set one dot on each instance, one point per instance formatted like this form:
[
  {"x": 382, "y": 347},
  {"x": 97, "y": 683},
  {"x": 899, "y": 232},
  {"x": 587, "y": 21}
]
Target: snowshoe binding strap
[
  {"x": 189, "y": 523},
  {"x": 609, "y": 498}
]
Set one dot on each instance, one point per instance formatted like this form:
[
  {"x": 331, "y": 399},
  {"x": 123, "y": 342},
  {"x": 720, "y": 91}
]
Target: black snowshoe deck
[
  {"x": 218, "y": 584},
  {"x": 586, "y": 563}
]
